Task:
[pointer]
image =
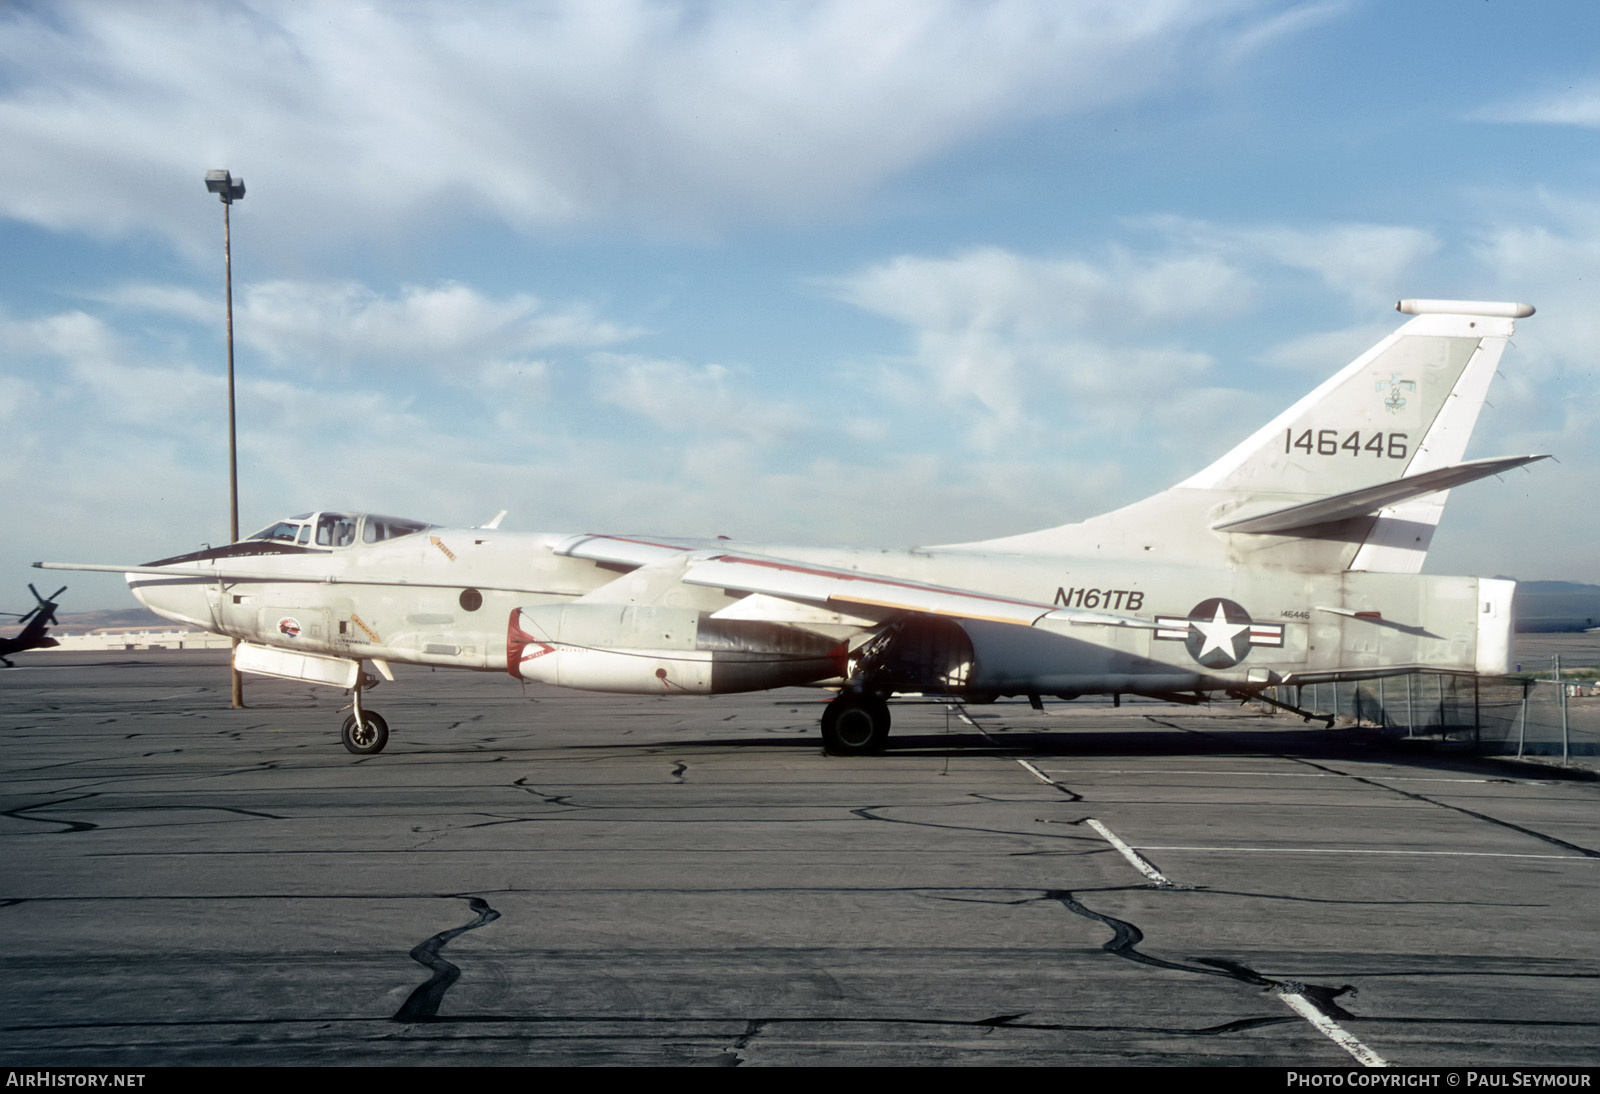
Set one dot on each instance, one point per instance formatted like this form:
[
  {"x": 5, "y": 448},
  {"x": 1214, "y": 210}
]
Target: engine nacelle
[{"x": 655, "y": 650}]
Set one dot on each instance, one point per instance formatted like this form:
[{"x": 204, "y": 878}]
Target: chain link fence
[{"x": 1549, "y": 710}]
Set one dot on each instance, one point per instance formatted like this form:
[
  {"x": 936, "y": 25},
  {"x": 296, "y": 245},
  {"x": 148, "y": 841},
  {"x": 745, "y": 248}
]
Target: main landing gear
[
  {"x": 364, "y": 731},
  {"x": 855, "y": 725}
]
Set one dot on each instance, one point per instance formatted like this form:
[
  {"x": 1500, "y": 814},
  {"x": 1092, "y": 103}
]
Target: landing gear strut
[
  {"x": 855, "y": 725},
  {"x": 364, "y": 732}
]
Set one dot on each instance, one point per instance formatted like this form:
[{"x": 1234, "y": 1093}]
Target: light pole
[{"x": 229, "y": 189}]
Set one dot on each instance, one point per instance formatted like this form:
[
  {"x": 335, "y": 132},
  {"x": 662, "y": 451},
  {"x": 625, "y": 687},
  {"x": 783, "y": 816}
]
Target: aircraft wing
[
  {"x": 852, "y": 590},
  {"x": 1357, "y": 503},
  {"x": 848, "y": 591},
  {"x": 630, "y": 551}
]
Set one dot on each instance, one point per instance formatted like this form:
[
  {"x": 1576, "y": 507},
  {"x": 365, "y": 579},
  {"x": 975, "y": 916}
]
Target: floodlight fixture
[{"x": 225, "y": 186}]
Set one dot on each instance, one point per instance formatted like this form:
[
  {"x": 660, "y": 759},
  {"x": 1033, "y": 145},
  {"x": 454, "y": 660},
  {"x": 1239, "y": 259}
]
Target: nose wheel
[
  {"x": 855, "y": 725},
  {"x": 366, "y": 735},
  {"x": 364, "y": 731}
]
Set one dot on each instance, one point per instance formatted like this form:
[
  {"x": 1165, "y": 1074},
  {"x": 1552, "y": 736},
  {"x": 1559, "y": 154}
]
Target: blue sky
[{"x": 873, "y": 272}]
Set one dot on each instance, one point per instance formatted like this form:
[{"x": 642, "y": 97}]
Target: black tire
[
  {"x": 853, "y": 726},
  {"x": 369, "y": 741}
]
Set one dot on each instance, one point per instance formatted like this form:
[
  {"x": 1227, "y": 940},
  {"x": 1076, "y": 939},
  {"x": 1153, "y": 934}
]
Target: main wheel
[
  {"x": 853, "y": 726},
  {"x": 369, "y": 737}
]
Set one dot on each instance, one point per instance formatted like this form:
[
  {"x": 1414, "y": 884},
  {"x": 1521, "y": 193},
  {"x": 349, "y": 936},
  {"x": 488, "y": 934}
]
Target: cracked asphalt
[{"x": 532, "y": 876}]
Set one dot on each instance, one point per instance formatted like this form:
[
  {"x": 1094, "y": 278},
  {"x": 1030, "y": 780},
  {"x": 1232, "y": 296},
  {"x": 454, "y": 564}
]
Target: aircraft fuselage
[{"x": 472, "y": 598}]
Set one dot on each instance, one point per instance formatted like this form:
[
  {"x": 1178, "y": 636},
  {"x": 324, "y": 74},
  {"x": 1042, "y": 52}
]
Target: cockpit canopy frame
[{"x": 331, "y": 529}]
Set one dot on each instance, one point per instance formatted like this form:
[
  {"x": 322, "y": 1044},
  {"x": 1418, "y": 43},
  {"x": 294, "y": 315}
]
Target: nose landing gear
[{"x": 364, "y": 732}]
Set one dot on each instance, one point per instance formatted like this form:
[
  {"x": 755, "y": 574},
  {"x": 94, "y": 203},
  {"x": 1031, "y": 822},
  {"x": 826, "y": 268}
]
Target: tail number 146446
[{"x": 1327, "y": 442}]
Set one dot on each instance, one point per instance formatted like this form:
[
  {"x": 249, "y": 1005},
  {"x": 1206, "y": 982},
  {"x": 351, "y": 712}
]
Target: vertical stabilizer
[{"x": 1404, "y": 408}]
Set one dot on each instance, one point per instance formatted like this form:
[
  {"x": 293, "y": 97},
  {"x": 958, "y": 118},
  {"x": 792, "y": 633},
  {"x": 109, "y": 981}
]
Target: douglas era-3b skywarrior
[{"x": 1291, "y": 560}]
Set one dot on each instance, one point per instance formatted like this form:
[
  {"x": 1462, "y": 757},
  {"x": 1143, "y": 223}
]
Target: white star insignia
[{"x": 1219, "y": 633}]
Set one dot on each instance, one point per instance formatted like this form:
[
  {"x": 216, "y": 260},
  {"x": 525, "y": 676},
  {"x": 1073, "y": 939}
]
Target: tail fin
[
  {"x": 1403, "y": 409},
  {"x": 1385, "y": 436},
  {"x": 1406, "y": 405}
]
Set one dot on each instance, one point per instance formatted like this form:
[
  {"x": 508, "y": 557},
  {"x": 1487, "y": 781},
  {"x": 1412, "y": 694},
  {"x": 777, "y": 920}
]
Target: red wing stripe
[
  {"x": 641, "y": 542},
  {"x": 842, "y": 575}
]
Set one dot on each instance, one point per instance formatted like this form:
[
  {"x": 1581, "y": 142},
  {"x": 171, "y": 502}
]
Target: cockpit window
[
  {"x": 335, "y": 529},
  {"x": 282, "y": 532},
  {"x": 376, "y": 529}
]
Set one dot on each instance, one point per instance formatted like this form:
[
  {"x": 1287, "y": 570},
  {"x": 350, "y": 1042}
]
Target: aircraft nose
[{"x": 180, "y": 599}]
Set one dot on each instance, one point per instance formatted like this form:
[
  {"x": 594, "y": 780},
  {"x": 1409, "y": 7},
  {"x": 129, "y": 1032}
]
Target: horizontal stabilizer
[{"x": 1370, "y": 499}]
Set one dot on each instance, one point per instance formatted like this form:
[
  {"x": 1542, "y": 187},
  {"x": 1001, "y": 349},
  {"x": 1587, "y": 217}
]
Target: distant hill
[
  {"x": 1556, "y": 606},
  {"x": 119, "y": 618}
]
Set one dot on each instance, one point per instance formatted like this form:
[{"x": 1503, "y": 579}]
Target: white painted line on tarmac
[
  {"x": 1036, "y": 773},
  {"x": 1258, "y": 774},
  {"x": 1359, "y": 851},
  {"x": 961, "y": 713},
  {"x": 1139, "y": 862},
  {"x": 1336, "y": 1033}
]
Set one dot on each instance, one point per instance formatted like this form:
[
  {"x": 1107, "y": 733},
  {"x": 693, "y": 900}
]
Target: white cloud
[
  {"x": 1553, "y": 261},
  {"x": 452, "y": 330},
  {"x": 448, "y": 326},
  {"x": 1038, "y": 295},
  {"x": 16, "y": 396},
  {"x": 174, "y": 300},
  {"x": 80, "y": 366},
  {"x": 1577, "y": 104},
  {"x": 66, "y": 334},
  {"x": 1364, "y": 262},
  {"x": 705, "y": 399},
  {"x": 1010, "y": 339},
  {"x": 1273, "y": 29},
  {"x": 1323, "y": 353},
  {"x": 348, "y": 118}
]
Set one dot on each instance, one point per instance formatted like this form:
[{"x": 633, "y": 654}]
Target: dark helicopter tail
[{"x": 36, "y": 624}]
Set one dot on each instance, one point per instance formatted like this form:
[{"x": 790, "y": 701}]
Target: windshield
[
  {"x": 337, "y": 529},
  {"x": 289, "y": 530}
]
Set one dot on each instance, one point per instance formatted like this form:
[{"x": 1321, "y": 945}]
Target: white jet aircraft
[{"x": 1293, "y": 559}]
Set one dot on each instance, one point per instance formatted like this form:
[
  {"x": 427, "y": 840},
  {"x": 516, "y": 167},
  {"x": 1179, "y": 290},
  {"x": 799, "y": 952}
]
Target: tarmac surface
[{"x": 529, "y": 876}]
